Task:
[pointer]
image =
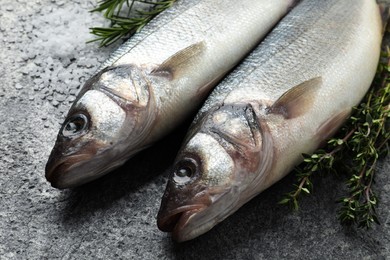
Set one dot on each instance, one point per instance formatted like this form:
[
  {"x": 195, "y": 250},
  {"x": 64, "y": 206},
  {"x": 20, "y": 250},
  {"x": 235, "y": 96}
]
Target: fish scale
[
  {"x": 279, "y": 70},
  {"x": 179, "y": 31},
  {"x": 158, "y": 78},
  {"x": 290, "y": 95},
  {"x": 152, "y": 27}
]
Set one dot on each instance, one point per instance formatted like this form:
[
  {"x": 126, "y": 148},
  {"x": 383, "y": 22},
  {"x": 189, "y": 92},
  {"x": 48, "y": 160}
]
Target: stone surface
[{"x": 44, "y": 60}]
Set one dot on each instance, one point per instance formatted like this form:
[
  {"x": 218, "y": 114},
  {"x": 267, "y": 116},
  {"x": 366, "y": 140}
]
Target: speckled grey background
[{"x": 43, "y": 61}]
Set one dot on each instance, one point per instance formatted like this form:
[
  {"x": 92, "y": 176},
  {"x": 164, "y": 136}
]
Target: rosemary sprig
[
  {"x": 355, "y": 151},
  {"x": 125, "y": 19}
]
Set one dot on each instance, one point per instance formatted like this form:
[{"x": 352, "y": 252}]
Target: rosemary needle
[{"x": 123, "y": 26}]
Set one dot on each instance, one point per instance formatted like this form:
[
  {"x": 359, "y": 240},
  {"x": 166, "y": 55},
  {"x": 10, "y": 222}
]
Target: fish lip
[
  {"x": 55, "y": 173},
  {"x": 178, "y": 219}
]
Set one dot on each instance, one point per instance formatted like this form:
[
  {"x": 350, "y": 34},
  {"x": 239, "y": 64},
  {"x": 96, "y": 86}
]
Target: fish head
[
  {"x": 198, "y": 189},
  {"x": 103, "y": 122},
  {"x": 212, "y": 173}
]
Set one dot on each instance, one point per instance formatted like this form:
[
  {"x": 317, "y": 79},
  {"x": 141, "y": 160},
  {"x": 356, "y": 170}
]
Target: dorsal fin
[
  {"x": 297, "y": 100},
  {"x": 180, "y": 60}
]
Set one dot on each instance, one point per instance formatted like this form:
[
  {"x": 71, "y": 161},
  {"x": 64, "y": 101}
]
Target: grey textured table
[{"x": 43, "y": 61}]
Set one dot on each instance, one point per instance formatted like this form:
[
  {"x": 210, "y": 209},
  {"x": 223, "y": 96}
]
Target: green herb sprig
[
  {"x": 125, "y": 19},
  {"x": 355, "y": 151}
]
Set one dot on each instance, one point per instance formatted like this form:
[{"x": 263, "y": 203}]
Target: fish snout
[
  {"x": 170, "y": 221},
  {"x": 177, "y": 208},
  {"x": 58, "y": 169}
]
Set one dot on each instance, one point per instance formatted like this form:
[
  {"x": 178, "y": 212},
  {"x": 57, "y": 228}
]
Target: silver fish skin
[
  {"x": 154, "y": 81},
  {"x": 291, "y": 93}
]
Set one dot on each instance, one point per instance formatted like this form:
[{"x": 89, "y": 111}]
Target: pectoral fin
[
  {"x": 180, "y": 60},
  {"x": 328, "y": 128},
  {"x": 384, "y": 9},
  {"x": 297, "y": 100}
]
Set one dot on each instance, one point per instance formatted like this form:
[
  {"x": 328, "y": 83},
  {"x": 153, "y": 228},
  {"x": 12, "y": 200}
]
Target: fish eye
[
  {"x": 184, "y": 171},
  {"x": 75, "y": 125}
]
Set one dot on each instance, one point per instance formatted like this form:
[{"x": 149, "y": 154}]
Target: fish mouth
[
  {"x": 190, "y": 221},
  {"x": 59, "y": 173},
  {"x": 178, "y": 219}
]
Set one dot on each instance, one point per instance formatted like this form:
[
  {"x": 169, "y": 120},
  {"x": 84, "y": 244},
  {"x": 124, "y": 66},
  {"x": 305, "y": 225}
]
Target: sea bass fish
[
  {"x": 292, "y": 93},
  {"x": 154, "y": 81}
]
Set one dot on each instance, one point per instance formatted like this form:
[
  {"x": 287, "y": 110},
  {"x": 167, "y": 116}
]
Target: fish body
[
  {"x": 290, "y": 95},
  {"x": 154, "y": 81}
]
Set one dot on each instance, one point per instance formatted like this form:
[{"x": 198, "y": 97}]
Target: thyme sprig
[
  {"x": 354, "y": 151},
  {"x": 125, "y": 19}
]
